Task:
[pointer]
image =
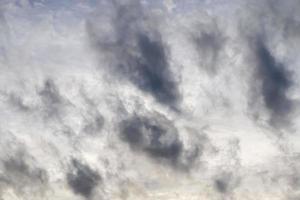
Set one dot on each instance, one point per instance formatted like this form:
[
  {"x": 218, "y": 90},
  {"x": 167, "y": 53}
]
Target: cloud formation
[
  {"x": 135, "y": 50},
  {"x": 276, "y": 80},
  {"x": 82, "y": 179},
  {"x": 130, "y": 99},
  {"x": 156, "y": 136}
]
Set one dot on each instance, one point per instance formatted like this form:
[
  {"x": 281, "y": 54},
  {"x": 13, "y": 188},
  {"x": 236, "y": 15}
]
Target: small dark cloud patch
[
  {"x": 155, "y": 136},
  {"x": 153, "y": 75},
  {"x": 94, "y": 126},
  {"x": 136, "y": 52},
  {"x": 93, "y": 120},
  {"x": 276, "y": 81},
  {"x": 51, "y": 98},
  {"x": 221, "y": 185},
  {"x": 226, "y": 182},
  {"x": 50, "y": 93},
  {"x": 20, "y": 168},
  {"x": 21, "y": 176},
  {"x": 209, "y": 44},
  {"x": 292, "y": 29},
  {"x": 295, "y": 181},
  {"x": 82, "y": 179}
]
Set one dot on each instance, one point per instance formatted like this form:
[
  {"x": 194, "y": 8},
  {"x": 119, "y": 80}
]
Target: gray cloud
[
  {"x": 285, "y": 17},
  {"x": 153, "y": 73},
  {"x": 137, "y": 51},
  {"x": 209, "y": 41},
  {"x": 226, "y": 182},
  {"x": 272, "y": 29},
  {"x": 185, "y": 150},
  {"x": 94, "y": 126},
  {"x": 21, "y": 176},
  {"x": 4, "y": 36},
  {"x": 275, "y": 83},
  {"x": 82, "y": 179},
  {"x": 94, "y": 120},
  {"x": 51, "y": 98},
  {"x": 155, "y": 135}
]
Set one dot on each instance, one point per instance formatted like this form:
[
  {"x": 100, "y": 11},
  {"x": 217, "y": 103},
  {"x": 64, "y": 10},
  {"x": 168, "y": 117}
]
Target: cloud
[
  {"x": 155, "y": 135},
  {"x": 82, "y": 179},
  {"x": 226, "y": 182},
  {"x": 270, "y": 37},
  {"x": 209, "y": 41},
  {"x": 108, "y": 107},
  {"x": 52, "y": 100},
  {"x": 17, "y": 102},
  {"x": 136, "y": 50},
  {"x": 22, "y": 177},
  {"x": 276, "y": 80},
  {"x": 94, "y": 126}
]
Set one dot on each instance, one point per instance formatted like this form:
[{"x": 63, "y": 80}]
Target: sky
[{"x": 149, "y": 100}]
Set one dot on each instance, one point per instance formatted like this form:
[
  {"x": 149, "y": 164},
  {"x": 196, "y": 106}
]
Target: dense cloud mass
[{"x": 166, "y": 99}]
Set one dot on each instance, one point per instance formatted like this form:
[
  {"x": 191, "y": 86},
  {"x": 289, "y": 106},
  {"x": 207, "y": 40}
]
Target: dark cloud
[
  {"x": 153, "y": 75},
  {"x": 209, "y": 43},
  {"x": 94, "y": 121},
  {"x": 293, "y": 172},
  {"x": 4, "y": 36},
  {"x": 51, "y": 98},
  {"x": 295, "y": 181},
  {"x": 292, "y": 29},
  {"x": 226, "y": 182},
  {"x": 284, "y": 15},
  {"x": 276, "y": 81},
  {"x": 221, "y": 185},
  {"x": 273, "y": 24},
  {"x": 21, "y": 176},
  {"x": 82, "y": 179},
  {"x": 94, "y": 126},
  {"x": 137, "y": 52},
  {"x": 156, "y": 136}
]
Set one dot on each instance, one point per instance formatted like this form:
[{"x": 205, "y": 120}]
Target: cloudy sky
[{"x": 149, "y": 99}]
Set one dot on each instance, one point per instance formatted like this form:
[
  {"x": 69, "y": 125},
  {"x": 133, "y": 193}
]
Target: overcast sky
[{"x": 149, "y": 100}]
